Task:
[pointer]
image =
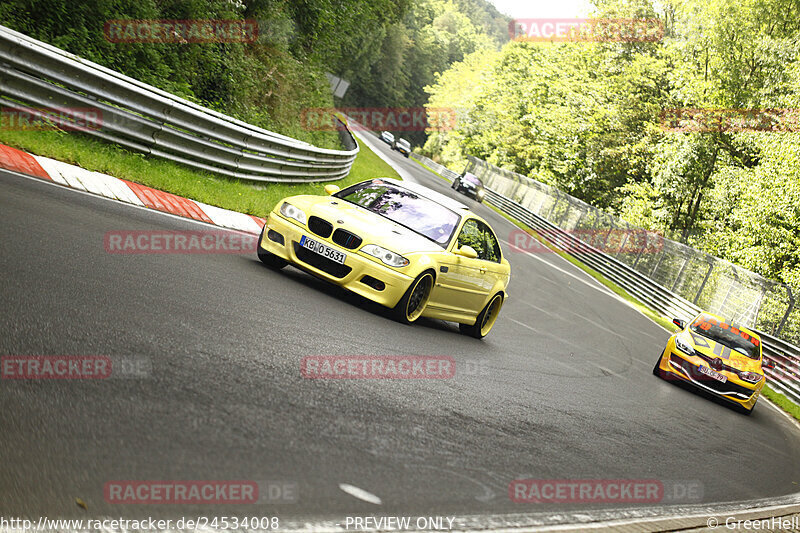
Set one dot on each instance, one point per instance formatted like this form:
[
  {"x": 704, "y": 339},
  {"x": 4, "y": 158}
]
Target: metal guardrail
[
  {"x": 436, "y": 167},
  {"x": 785, "y": 377},
  {"x": 39, "y": 77}
]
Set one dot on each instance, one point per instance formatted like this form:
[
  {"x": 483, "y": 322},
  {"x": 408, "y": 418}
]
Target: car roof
[{"x": 430, "y": 194}]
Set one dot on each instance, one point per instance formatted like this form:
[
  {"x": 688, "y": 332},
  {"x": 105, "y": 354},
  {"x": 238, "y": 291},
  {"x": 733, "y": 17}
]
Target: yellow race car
[
  {"x": 396, "y": 243},
  {"x": 717, "y": 356}
]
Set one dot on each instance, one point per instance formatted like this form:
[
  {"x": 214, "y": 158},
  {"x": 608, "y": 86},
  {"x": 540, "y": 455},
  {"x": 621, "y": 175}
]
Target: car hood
[
  {"x": 371, "y": 227},
  {"x": 730, "y": 357}
]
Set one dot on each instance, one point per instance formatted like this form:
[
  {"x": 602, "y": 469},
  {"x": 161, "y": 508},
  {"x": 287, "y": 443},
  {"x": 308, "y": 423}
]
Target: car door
[
  {"x": 491, "y": 260},
  {"x": 462, "y": 283}
]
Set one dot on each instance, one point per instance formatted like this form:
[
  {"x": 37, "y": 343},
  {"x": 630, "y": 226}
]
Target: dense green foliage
[
  {"x": 587, "y": 117},
  {"x": 388, "y": 49}
]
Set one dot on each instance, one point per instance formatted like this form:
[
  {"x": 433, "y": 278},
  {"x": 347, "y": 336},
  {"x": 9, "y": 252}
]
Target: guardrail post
[
  {"x": 680, "y": 274},
  {"x": 605, "y": 240},
  {"x": 624, "y": 242},
  {"x": 788, "y": 310},
  {"x": 658, "y": 263},
  {"x": 638, "y": 256},
  {"x": 580, "y": 219},
  {"x": 703, "y": 285},
  {"x": 552, "y": 207}
]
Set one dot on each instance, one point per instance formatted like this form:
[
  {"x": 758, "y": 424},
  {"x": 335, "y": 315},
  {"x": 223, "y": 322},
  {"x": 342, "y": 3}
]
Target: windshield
[
  {"x": 726, "y": 334},
  {"x": 408, "y": 209},
  {"x": 469, "y": 178}
]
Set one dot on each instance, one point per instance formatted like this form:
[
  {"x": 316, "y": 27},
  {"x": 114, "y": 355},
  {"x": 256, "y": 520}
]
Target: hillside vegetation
[
  {"x": 595, "y": 119},
  {"x": 388, "y": 49}
]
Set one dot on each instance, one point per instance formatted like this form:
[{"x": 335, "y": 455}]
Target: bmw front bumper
[{"x": 360, "y": 273}]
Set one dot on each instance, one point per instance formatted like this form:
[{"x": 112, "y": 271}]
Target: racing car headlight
[
  {"x": 684, "y": 345},
  {"x": 750, "y": 377},
  {"x": 387, "y": 257},
  {"x": 290, "y": 211},
  {"x": 481, "y": 192}
]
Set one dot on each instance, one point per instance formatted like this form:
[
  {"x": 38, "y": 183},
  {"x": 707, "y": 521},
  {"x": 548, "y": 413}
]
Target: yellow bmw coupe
[
  {"x": 399, "y": 244},
  {"x": 717, "y": 356}
]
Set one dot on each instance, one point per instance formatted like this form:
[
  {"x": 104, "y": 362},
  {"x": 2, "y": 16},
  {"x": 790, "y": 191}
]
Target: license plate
[
  {"x": 712, "y": 374},
  {"x": 325, "y": 251}
]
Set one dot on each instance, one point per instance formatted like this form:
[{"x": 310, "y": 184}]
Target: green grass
[
  {"x": 781, "y": 401},
  {"x": 238, "y": 195},
  {"x": 777, "y": 398},
  {"x": 429, "y": 169}
]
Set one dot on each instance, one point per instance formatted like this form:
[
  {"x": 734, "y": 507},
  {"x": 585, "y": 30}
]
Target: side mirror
[
  {"x": 678, "y": 322},
  {"x": 331, "y": 189},
  {"x": 767, "y": 363},
  {"x": 466, "y": 251}
]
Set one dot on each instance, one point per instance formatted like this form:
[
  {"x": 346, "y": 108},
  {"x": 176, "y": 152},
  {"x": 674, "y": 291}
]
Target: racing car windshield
[
  {"x": 408, "y": 209},
  {"x": 727, "y": 335}
]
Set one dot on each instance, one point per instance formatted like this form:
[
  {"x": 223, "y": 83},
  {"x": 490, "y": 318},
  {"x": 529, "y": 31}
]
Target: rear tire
[
  {"x": 413, "y": 303},
  {"x": 486, "y": 319}
]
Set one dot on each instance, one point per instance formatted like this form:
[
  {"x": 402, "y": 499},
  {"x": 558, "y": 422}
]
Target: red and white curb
[{"x": 125, "y": 191}]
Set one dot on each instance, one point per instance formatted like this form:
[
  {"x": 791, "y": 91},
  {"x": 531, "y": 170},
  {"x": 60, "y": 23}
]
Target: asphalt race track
[{"x": 561, "y": 389}]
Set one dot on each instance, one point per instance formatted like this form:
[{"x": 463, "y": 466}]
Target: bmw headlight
[
  {"x": 684, "y": 345},
  {"x": 750, "y": 377},
  {"x": 387, "y": 257},
  {"x": 290, "y": 211}
]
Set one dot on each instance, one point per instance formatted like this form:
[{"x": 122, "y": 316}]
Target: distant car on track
[
  {"x": 388, "y": 138},
  {"x": 717, "y": 356},
  {"x": 470, "y": 185},
  {"x": 399, "y": 244},
  {"x": 403, "y": 146}
]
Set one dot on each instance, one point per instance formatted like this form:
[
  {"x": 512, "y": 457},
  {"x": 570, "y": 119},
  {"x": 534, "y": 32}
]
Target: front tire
[
  {"x": 413, "y": 303},
  {"x": 486, "y": 319}
]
